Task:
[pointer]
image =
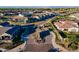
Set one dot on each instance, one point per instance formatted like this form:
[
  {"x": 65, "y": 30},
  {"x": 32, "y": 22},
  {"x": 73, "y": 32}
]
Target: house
[
  {"x": 19, "y": 18},
  {"x": 7, "y": 34},
  {"x": 35, "y": 16},
  {"x": 44, "y": 33},
  {"x": 1, "y": 14},
  {"x": 21, "y": 15},
  {"x": 29, "y": 29},
  {"x": 4, "y": 36},
  {"x": 5, "y": 24},
  {"x": 33, "y": 19},
  {"x": 74, "y": 16},
  {"x": 4, "y": 18},
  {"x": 67, "y": 25},
  {"x": 14, "y": 31}
]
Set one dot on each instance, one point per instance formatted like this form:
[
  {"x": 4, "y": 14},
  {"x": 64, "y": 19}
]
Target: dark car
[{"x": 53, "y": 50}]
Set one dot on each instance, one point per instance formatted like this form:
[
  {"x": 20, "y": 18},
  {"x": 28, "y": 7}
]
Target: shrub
[
  {"x": 73, "y": 46},
  {"x": 63, "y": 34},
  {"x": 8, "y": 47}
]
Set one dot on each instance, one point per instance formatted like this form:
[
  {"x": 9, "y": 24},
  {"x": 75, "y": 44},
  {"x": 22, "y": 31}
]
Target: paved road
[
  {"x": 56, "y": 45},
  {"x": 33, "y": 46}
]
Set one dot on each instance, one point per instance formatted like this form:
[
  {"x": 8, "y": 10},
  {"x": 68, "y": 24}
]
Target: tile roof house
[
  {"x": 4, "y": 29},
  {"x": 35, "y": 16},
  {"x": 67, "y": 25},
  {"x": 9, "y": 33},
  {"x": 4, "y": 36},
  {"x": 29, "y": 29},
  {"x": 14, "y": 31},
  {"x": 19, "y": 18}
]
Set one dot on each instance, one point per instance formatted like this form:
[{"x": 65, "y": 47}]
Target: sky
[
  {"x": 39, "y": 2},
  {"x": 39, "y": 6}
]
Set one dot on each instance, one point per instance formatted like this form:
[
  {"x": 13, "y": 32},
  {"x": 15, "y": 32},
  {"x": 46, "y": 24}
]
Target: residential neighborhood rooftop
[
  {"x": 4, "y": 29},
  {"x": 66, "y": 24}
]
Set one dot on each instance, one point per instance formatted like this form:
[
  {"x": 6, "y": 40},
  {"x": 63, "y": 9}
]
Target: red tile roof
[{"x": 66, "y": 24}]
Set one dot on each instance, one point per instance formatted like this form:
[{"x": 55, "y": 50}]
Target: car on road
[{"x": 54, "y": 50}]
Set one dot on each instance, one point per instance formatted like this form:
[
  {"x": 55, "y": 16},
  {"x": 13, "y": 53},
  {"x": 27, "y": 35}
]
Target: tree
[{"x": 73, "y": 46}]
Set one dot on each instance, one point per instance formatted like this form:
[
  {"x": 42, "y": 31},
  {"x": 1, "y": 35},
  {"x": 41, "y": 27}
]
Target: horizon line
[{"x": 39, "y": 6}]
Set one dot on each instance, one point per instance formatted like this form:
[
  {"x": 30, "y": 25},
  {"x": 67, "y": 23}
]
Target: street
[
  {"x": 34, "y": 46},
  {"x": 56, "y": 45}
]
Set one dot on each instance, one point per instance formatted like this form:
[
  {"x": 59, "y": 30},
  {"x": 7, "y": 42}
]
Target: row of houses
[
  {"x": 67, "y": 25},
  {"x": 9, "y": 33},
  {"x": 37, "y": 18},
  {"x": 28, "y": 16}
]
